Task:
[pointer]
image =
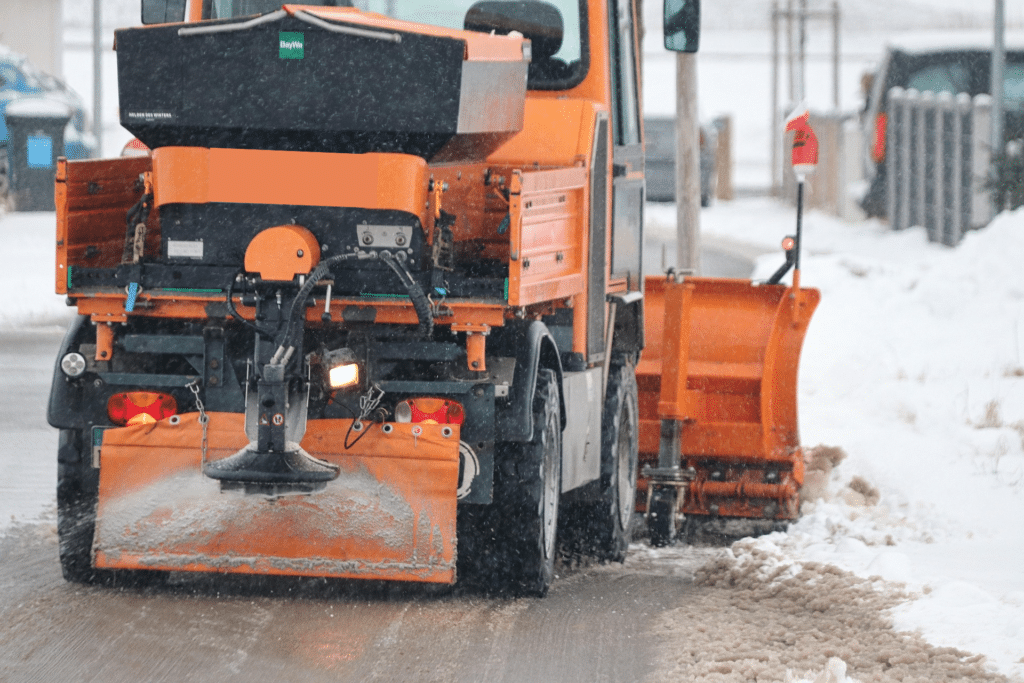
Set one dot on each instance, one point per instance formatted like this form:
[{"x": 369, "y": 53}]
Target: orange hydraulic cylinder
[{"x": 673, "y": 403}]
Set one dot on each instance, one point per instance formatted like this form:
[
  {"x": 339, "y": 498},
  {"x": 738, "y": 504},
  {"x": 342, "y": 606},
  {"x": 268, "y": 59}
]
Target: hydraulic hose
[
  {"x": 420, "y": 303},
  {"x": 234, "y": 314},
  {"x": 289, "y": 335}
]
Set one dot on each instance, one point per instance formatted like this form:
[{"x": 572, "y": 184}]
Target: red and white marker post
[{"x": 805, "y": 159}]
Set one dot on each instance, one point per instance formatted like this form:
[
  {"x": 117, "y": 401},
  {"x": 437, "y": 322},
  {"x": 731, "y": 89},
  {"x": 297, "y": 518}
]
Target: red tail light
[
  {"x": 430, "y": 410},
  {"x": 140, "y": 407},
  {"x": 878, "y": 150}
]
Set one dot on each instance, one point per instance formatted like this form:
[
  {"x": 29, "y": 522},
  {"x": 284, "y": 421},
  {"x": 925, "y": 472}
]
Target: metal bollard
[
  {"x": 894, "y": 158},
  {"x": 982, "y": 209}
]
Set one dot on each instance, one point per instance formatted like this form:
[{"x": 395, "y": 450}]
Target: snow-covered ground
[{"x": 914, "y": 366}]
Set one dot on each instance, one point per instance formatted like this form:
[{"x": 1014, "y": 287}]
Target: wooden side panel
[{"x": 93, "y": 199}]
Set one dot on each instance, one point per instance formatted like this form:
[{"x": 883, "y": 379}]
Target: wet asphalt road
[{"x": 592, "y": 627}]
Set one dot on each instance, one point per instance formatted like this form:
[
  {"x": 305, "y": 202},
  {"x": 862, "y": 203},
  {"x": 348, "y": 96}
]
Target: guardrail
[{"x": 937, "y": 162}]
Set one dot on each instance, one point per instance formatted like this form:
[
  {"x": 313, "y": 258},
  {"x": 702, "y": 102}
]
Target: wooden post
[
  {"x": 723, "y": 159},
  {"x": 687, "y": 164}
]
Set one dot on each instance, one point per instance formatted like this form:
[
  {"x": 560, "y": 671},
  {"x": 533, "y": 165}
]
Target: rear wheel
[
  {"x": 77, "y": 500},
  {"x": 77, "y": 490},
  {"x": 530, "y": 496},
  {"x": 510, "y": 545},
  {"x": 603, "y": 528}
]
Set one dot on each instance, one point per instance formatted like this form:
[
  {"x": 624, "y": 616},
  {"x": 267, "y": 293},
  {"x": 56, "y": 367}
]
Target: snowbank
[
  {"x": 27, "y": 278},
  {"x": 914, "y": 366},
  {"x": 777, "y": 618}
]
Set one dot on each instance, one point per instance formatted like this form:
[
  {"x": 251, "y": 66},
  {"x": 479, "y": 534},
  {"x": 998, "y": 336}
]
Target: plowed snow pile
[
  {"x": 914, "y": 368},
  {"x": 777, "y": 619}
]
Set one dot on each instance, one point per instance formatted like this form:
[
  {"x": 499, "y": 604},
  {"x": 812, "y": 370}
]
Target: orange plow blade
[
  {"x": 389, "y": 515},
  {"x": 722, "y": 361}
]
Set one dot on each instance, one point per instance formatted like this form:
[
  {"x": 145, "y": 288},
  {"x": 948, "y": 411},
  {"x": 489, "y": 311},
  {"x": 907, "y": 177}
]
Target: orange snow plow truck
[{"x": 372, "y": 305}]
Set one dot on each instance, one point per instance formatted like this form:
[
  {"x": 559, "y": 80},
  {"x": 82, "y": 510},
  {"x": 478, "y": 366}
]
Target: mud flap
[{"x": 389, "y": 515}]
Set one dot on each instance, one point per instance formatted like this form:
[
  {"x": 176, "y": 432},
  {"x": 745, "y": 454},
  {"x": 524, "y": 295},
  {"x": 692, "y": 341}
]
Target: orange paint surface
[
  {"x": 197, "y": 175},
  {"x": 280, "y": 253},
  {"x": 722, "y": 357},
  {"x": 389, "y": 515}
]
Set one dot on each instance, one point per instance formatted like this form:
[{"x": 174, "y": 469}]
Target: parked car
[
  {"x": 938, "y": 65},
  {"x": 660, "y": 162},
  {"x": 19, "y": 78}
]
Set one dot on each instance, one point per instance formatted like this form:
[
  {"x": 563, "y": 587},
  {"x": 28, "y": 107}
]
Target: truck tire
[
  {"x": 77, "y": 498},
  {"x": 603, "y": 528},
  {"x": 77, "y": 492},
  {"x": 620, "y": 454},
  {"x": 528, "y": 495},
  {"x": 509, "y": 546}
]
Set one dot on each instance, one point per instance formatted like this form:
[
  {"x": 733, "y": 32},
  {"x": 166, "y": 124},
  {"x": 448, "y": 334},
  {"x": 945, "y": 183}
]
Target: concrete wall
[{"x": 34, "y": 28}]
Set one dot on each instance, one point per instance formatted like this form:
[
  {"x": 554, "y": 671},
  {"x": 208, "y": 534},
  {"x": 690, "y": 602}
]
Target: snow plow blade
[
  {"x": 390, "y": 514},
  {"x": 721, "y": 361}
]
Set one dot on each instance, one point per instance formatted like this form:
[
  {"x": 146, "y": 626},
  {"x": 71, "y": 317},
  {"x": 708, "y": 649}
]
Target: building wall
[{"x": 34, "y": 28}]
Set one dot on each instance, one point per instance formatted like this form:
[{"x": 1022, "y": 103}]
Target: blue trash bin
[{"x": 35, "y": 129}]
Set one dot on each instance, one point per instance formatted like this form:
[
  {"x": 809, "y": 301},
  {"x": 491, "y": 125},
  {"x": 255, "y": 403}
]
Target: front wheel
[{"x": 603, "y": 527}]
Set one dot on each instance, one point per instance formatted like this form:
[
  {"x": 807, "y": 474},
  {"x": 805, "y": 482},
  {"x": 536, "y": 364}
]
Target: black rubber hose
[
  {"x": 234, "y": 314},
  {"x": 420, "y": 303},
  {"x": 292, "y": 328}
]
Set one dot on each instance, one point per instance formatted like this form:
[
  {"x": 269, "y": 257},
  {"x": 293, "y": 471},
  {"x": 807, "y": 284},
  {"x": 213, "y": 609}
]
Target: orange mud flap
[
  {"x": 718, "y": 399},
  {"x": 389, "y": 515}
]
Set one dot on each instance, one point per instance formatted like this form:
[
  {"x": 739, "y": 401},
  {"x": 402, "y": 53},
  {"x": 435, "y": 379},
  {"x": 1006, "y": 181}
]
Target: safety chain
[{"x": 204, "y": 419}]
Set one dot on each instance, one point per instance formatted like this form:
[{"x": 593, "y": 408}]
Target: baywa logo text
[{"x": 291, "y": 45}]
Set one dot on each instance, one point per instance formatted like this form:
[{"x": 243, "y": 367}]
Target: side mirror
[
  {"x": 682, "y": 25},
  {"x": 163, "y": 11},
  {"x": 539, "y": 21}
]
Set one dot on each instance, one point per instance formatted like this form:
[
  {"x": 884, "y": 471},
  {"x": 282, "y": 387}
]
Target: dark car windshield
[
  {"x": 952, "y": 78},
  {"x": 563, "y": 69}
]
